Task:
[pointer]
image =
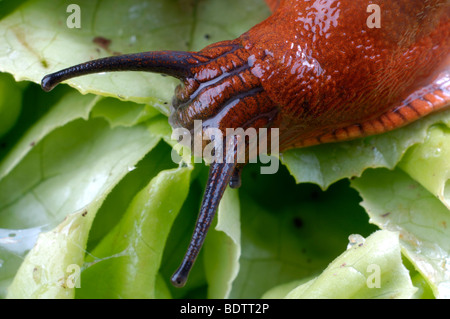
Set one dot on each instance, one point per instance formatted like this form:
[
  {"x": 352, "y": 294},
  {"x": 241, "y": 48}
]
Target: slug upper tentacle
[{"x": 174, "y": 63}]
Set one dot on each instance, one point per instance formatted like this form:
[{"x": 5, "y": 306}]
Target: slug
[{"x": 314, "y": 69}]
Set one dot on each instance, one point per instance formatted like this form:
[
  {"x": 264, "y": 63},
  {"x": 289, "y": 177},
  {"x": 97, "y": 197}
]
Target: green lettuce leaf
[
  {"x": 133, "y": 249},
  {"x": 291, "y": 232},
  {"x": 428, "y": 163},
  {"x": 370, "y": 268},
  {"x": 72, "y": 106},
  {"x": 10, "y": 103},
  {"x": 397, "y": 203},
  {"x": 327, "y": 163},
  {"x": 67, "y": 174}
]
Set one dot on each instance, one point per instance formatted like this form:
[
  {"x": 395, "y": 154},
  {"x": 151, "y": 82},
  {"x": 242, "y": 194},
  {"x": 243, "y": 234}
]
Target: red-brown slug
[{"x": 315, "y": 69}]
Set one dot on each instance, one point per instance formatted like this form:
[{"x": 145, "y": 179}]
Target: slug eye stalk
[{"x": 174, "y": 63}]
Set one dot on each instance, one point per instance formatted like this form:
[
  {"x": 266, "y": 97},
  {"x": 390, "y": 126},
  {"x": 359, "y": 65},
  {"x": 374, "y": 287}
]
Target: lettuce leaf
[
  {"x": 65, "y": 178},
  {"x": 370, "y": 268},
  {"x": 395, "y": 202}
]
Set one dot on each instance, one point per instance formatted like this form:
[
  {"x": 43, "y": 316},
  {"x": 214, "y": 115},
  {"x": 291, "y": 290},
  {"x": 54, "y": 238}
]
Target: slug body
[{"x": 314, "y": 69}]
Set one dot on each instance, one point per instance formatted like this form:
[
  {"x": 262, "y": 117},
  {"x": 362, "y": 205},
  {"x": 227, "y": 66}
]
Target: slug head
[{"x": 219, "y": 89}]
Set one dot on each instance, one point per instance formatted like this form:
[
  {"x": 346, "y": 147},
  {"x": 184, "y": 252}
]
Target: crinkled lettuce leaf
[
  {"x": 395, "y": 202},
  {"x": 65, "y": 178},
  {"x": 291, "y": 231},
  {"x": 428, "y": 163},
  {"x": 327, "y": 163},
  {"x": 133, "y": 249},
  {"x": 370, "y": 268}
]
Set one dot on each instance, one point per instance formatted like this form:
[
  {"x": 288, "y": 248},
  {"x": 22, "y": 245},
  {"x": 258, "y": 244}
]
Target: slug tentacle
[
  {"x": 174, "y": 63},
  {"x": 219, "y": 177},
  {"x": 235, "y": 181}
]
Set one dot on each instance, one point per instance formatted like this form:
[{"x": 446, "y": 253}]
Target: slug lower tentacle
[{"x": 219, "y": 177}]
